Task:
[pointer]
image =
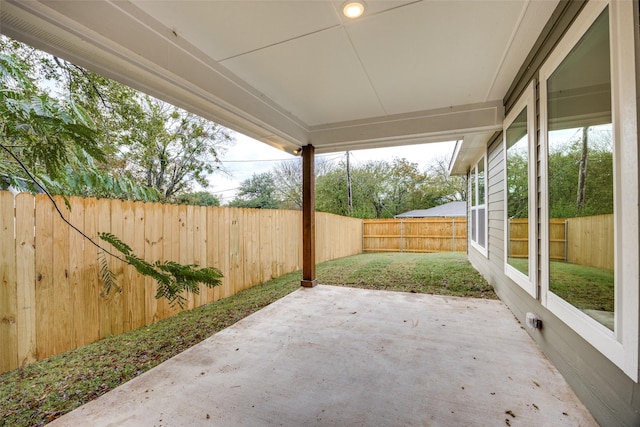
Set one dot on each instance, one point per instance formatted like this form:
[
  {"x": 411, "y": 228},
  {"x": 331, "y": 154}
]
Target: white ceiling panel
[
  {"x": 296, "y": 71},
  {"x": 317, "y": 78},
  {"x": 433, "y": 54},
  {"x": 224, "y": 29},
  {"x": 525, "y": 32}
]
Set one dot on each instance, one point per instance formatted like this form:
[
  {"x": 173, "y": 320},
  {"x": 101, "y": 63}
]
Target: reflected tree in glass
[
  {"x": 518, "y": 193},
  {"x": 580, "y": 177},
  {"x": 481, "y": 209}
]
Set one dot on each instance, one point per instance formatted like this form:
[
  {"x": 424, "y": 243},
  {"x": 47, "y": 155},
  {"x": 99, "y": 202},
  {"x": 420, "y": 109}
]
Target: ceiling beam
[{"x": 443, "y": 124}]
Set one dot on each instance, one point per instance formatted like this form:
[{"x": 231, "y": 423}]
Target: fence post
[
  {"x": 508, "y": 225},
  {"x": 453, "y": 234},
  {"x": 401, "y": 235},
  {"x": 566, "y": 237}
]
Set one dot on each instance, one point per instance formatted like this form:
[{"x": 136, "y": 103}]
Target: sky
[{"x": 249, "y": 156}]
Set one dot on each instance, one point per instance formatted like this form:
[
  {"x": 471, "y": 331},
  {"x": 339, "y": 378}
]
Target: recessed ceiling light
[{"x": 353, "y": 9}]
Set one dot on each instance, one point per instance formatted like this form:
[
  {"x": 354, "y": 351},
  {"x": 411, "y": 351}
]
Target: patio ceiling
[{"x": 292, "y": 73}]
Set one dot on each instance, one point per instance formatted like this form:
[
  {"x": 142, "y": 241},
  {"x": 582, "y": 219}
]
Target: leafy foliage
[
  {"x": 518, "y": 185},
  {"x": 199, "y": 198},
  {"x": 172, "y": 278},
  {"x": 259, "y": 192},
  {"x": 287, "y": 176},
  {"x": 106, "y": 274},
  {"x": 139, "y": 148},
  {"x": 59, "y": 140},
  {"x": 382, "y": 189},
  {"x": 43, "y": 132},
  {"x": 564, "y": 161},
  {"x": 169, "y": 149}
]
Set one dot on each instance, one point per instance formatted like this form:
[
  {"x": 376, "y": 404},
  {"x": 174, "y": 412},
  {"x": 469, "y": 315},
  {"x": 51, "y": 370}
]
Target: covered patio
[
  {"x": 305, "y": 78},
  {"x": 344, "y": 356}
]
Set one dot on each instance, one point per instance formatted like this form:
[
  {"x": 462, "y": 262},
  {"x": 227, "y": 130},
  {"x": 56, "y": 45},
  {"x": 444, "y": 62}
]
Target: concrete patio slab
[{"x": 333, "y": 356}]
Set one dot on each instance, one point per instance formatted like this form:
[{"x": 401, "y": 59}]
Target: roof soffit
[{"x": 291, "y": 73}]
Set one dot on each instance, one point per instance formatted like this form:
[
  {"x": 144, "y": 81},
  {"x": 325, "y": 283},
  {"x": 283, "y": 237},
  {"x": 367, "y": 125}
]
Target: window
[
  {"x": 478, "y": 206},
  {"x": 589, "y": 194},
  {"x": 520, "y": 191}
]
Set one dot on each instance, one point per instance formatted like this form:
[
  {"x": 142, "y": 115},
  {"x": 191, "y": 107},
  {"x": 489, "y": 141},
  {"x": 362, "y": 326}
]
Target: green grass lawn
[
  {"x": 38, "y": 393},
  {"x": 521, "y": 264},
  {"x": 442, "y": 273},
  {"x": 587, "y": 288}
]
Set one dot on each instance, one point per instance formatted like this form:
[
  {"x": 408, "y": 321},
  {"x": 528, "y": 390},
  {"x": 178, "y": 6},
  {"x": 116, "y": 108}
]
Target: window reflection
[
  {"x": 481, "y": 205},
  {"x": 580, "y": 177},
  {"x": 518, "y": 193},
  {"x": 478, "y": 207}
]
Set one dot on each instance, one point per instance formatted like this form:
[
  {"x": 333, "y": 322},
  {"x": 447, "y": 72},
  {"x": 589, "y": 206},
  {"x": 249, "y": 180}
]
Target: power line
[
  {"x": 277, "y": 160},
  {"x": 257, "y": 161},
  {"x": 224, "y": 191}
]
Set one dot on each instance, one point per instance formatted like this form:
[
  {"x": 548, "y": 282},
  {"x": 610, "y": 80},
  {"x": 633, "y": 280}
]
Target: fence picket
[
  {"x": 153, "y": 242},
  {"x": 25, "y": 278},
  {"x": 127, "y": 235},
  {"x": 89, "y": 308},
  {"x": 62, "y": 292},
  {"x": 137, "y": 298},
  {"x": 103, "y": 225},
  {"x": 45, "y": 345},
  {"x": 415, "y": 235},
  {"x": 116, "y": 298},
  {"x": 76, "y": 264},
  {"x": 8, "y": 285},
  {"x": 200, "y": 248}
]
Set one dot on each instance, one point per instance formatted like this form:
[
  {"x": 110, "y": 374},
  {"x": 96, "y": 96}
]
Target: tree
[
  {"x": 404, "y": 183},
  {"x": 368, "y": 190},
  {"x": 170, "y": 148},
  {"x": 86, "y": 172},
  {"x": 567, "y": 160},
  {"x": 259, "y": 192},
  {"x": 518, "y": 184},
  {"x": 439, "y": 187},
  {"x": 151, "y": 149},
  {"x": 331, "y": 192},
  {"x": 287, "y": 176},
  {"x": 582, "y": 170},
  {"x": 199, "y": 198},
  {"x": 40, "y": 133}
]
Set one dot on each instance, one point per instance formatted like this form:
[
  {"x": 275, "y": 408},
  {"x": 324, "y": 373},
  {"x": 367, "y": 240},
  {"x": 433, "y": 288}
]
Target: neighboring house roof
[{"x": 447, "y": 210}]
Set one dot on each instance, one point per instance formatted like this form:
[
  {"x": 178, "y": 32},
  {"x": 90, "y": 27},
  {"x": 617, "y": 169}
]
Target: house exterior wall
[{"x": 612, "y": 397}]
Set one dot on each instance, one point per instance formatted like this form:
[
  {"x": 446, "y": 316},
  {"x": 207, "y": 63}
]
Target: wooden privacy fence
[
  {"x": 583, "y": 240},
  {"x": 518, "y": 244},
  {"x": 590, "y": 241},
  {"x": 415, "y": 235},
  {"x": 51, "y": 298}
]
